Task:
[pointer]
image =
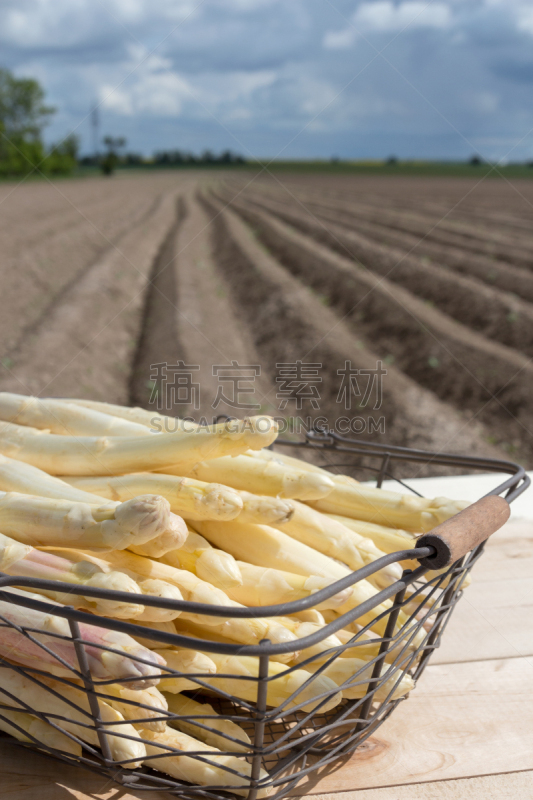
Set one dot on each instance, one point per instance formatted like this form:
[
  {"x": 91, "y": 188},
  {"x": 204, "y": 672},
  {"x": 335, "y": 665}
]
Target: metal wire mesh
[{"x": 263, "y": 725}]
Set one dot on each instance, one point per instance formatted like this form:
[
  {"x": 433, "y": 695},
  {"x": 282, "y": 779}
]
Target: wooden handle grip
[{"x": 461, "y": 533}]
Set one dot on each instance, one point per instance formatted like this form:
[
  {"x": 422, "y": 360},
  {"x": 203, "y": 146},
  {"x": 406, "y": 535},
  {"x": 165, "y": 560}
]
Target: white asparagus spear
[
  {"x": 293, "y": 463},
  {"x": 26, "y": 728},
  {"x": 17, "y": 476},
  {"x": 387, "y": 508},
  {"x": 77, "y": 717},
  {"x": 198, "y": 556},
  {"x": 336, "y": 540},
  {"x": 212, "y": 770},
  {"x": 264, "y": 509},
  {"x": 62, "y": 418},
  {"x": 92, "y": 455},
  {"x": 302, "y": 629},
  {"x": 193, "y": 589},
  {"x": 162, "y": 627},
  {"x": 141, "y": 416},
  {"x": 271, "y": 629},
  {"x": 389, "y": 540},
  {"x": 184, "y": 662},
  {"x": 121, "y": 666},
  {"x": 202, "y": 721},
  {"x": 122, "y": 699},
  {"x": 245, "y": 583},
  {"x": 264, "y": 586},
  {"x": 153, "y": 587},
  {"x": 296, "y": 628},
  {"x": 259, "y": 477},
  {"x": 43, "y": 521},
  {"x": 279, "y": 689},
  {"x": 309, "y": 615},
  {"x": 187, "y": 497},
  {"x": 186, "y": 580},
  {"x": 356, "y": 673},
  {"x": 98, "y": 569},
  {"x": 174, "y": 536},
  {"x": 20, "y": 559},
  {"x": 267, "y": 546}
]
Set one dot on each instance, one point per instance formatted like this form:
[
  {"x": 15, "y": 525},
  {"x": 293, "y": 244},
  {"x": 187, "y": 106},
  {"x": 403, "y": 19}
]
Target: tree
[
  {"x": 23, "y": 115},
  {"x": 63, "y": 157},
  {"x": 110, "y": 160},
  {"x": 22, "y": 109}
]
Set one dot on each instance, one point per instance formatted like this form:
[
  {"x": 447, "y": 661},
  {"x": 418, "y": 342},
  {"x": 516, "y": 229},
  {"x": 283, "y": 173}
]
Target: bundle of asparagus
[
  {"x": 50, "y": 646},
  {"x": 168, "y": 530},
  {"x": 100, "y": 496},
  {"x": 30, "y": 729},
  {"x": 85, "y": 569},
  {"x": 214, "y": 768},
  {"x": 202, "y": 721},
  {"x": 116, "y": 455},
  {"x": 68, "y": 707}
]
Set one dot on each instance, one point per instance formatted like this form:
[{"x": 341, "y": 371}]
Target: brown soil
[
  {"x": 190, "y": 316},
  {"x": 506, "y": 277},
  {"x": 290, "y": 322},
  {"x": 500, "y": 316},
  {"x": 82, "y": 338},
  {"x": 103, "y": 279},
  {"x": 484, "y": 239},
  {"x": 479, "y": 201},
  {"x": 460, "y": 366},
  {"x": 55, "y": 235}
]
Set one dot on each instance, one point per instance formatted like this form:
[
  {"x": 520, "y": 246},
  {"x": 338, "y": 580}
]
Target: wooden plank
[
  {"x": 27, "y": 775},
  {"x": 493, "y": 618},
  {"x": 510, "y": 786},
  {"x": 462, "y": 720},
  {"x": 479, "y": 631},
  {"x": 508, "y": 553}
]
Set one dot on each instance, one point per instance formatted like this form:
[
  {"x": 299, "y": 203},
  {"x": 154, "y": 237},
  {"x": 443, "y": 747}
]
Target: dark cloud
[
  {"x": 512, "y": 69},
  {"x": 302, "y": 78}
]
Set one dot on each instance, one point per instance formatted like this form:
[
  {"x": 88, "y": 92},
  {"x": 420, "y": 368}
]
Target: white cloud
[
  {"x": 525, "y": 20},
  {"x": 339, "y": 40},
  {"x": 384, "y": 15},
  {"x": 247, "y": 5},
  {"x": 45, "y": 23},
  {"x": 60, "y": 23},
  {"x": 152, "y": 88}
]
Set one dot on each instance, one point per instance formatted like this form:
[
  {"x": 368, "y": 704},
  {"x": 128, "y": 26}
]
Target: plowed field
[{"x": 432, "y": 277}]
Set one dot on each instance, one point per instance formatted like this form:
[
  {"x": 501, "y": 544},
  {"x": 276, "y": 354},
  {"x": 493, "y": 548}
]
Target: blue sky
[{"x": 285, "y": 78}]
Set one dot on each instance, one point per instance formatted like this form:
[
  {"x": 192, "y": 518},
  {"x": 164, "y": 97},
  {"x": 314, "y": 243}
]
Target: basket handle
[{"x": 461, "y": 533}]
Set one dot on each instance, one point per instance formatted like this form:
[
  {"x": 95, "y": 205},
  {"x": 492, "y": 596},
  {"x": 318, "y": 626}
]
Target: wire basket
[{"x": 293, "y": 720}]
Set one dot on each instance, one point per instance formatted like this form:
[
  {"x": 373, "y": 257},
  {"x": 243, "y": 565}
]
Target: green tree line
[{"x": 23, "y": 116}]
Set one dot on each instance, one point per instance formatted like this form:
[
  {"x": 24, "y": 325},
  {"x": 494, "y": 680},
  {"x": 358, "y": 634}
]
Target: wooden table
[{"x": 466, "y": 732}]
